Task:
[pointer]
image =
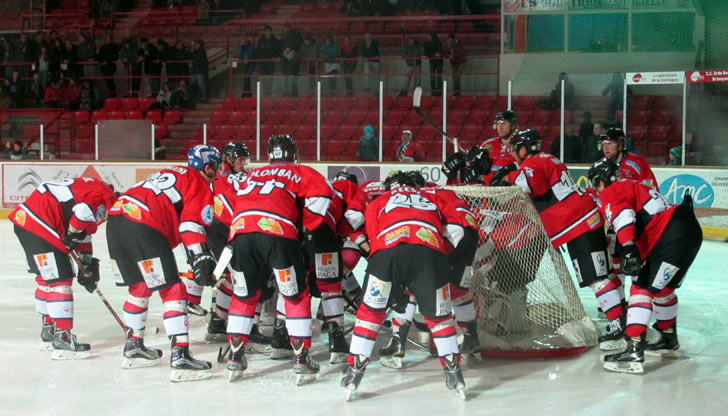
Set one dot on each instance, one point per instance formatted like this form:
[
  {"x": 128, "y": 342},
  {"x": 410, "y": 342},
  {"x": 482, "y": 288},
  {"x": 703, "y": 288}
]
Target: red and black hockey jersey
[
  {"x": 82, "y": 203},
  {"x": 635, "y": 167},
  {"x": 277, "y": 198},
  {"x": 347, "y": 209},
  {"x": 406, "y": 215},
  {"x": 373, "y": 189},
  {"x": 566, "y": 210},
  {"x": 636, "y": 212},
  {"x": 500, "y": 154},
  {"x": 225, "y": 190},
  {"x": 176, "y": 201}
]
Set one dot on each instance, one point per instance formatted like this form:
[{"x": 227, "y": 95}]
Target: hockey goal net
[{"x": 526, "y": 300}]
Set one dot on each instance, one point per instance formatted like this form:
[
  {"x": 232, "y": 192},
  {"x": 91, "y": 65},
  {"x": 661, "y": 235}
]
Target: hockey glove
[
  {"x": 473, "y": 176},
  {"x": 631, "y": 260},
  {"x": 202, "y": 267},
  {"x": 89, "y": 276},
  {"x": 453, "y": 164},
  {"x": 497, "y": 179},
  {"x": 73, "y": 238}
]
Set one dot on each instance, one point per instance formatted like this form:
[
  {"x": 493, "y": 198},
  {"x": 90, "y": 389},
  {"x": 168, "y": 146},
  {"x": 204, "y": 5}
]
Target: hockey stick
[
  {"x": 222, "y": 263},
  {"x": 416, "y": 101},
  {"x": 101, "y": 295}
]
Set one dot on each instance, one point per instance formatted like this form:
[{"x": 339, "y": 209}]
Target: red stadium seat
[
  {"x": 236, "y": 117},
  {"x": 524, "y": 103},
  {"x": 641, "y": 102},
  {"x": 636, "y": 132},
  {"x": 230, "y": 103},
  {"x": 145, "y": 103},
  {"x": 171, "y": 117},
  {"x": 134, "y": 115},
  {"x": 656, "y": 133},
  {"x": 483, "y": 102},
  {"x": 660, "y": 117},
  {"x": 129, "y": 104},
  {"x": 80, "y": 117},
  {"x": 247, "y": 104},
  {"x": 115, "y": 115},
  {"x": 154, "y": 115},
  {"x": 112, "y": 104},
  {"x": 462, "y": 103},
  {"x": 541, "y": 117},
  {"x": 160, "y": 131},
  {"x": 98, "y": 115},
  {"x": 218, "y": 117},
  {"x": 224, "y": 132}
]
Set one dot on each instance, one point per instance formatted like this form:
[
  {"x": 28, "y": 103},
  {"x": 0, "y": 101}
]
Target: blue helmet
[{"x": 201, "y": 155}]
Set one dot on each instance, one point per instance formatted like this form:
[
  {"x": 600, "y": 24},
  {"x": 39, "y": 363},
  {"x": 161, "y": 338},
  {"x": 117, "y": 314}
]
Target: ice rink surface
[{"x": 33, "y": 384}]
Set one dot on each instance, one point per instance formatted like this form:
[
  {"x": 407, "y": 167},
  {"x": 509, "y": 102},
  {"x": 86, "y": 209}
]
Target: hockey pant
[{"x": 176, "y": 323}]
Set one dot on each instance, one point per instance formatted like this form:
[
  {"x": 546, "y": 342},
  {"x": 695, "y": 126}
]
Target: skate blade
[
  {"x": 196, "y": 312},
  {"x": 182, "y": 375},
  {"x": 349, "y": 392},
  {"x": 337, "y": 357},
  {"x": 302, "y": 379},
  {"x": 279, "y": 354},
  {"x": 630, "y": 368},
  {"x": 460, "y": 391},
  {"x": 612, "y": 345},
  {"x": 665, "y": 353},
  {"x": 130, "y": 363},
  {"x": 70, "y": 355},
  {"x": 252, "y": 348},
  {"x": 45, "y": 346},
  {"x": 391, "y": 362},
  {"x": 215, "y": 337},
  {"x": 235, "y": 375}
]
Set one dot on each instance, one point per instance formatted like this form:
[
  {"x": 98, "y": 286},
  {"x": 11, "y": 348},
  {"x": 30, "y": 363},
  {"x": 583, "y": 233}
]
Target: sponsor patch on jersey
[
  {"x": 206, "y": 215},
  {"x": 101, "y": 214},
  {"x": 394, "y": 235},
  {"x": 599, "y": 258},
  {"x": 286, "y": 280},
  {"x": 270, "y": 225},
  {"x": 428, "y": 237},
  {"x": 377, "y": 293},
  {"x": 118, "y": 279},
  {"x": 634, "y": 166},
  {"x": 442, "y": 299},
  {"x": 471, "y": 220},
  {"x": 47, "y": 268},
  {"x": 117, "y": 205},
  {"x": 593, "y": 221},
  {"x": 218, "y": 206},
  {"x": 664, "y": 275},
  {"x": 132, "y": 210},
  {"x": 152, "y": 272},
  {"x": 20, "y": 217},
  {"x": 608, "y": 211},
  {"x": 327, "y": 265},
  {"x": 237, "y": 225},
  {"x": 240, "y": 286},
  {"x": 528, "y": 171}
]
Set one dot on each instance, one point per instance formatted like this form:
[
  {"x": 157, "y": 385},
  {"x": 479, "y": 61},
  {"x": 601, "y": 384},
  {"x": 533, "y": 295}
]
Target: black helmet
[
  {"x": 614, "y": 134},
  {"x": 530, "y": 139},
  {"x": 508, "y": 116},
  {"x": 344, "y": 175},
  {"x": 397, "y": 179},
  {"x": 605, "y": 170},
  {"x": 417, "y": 178},
  {"x": 234, "y": 150},
  {"x": 478, "y": 160},
  {"x": 281, "y": 147}
]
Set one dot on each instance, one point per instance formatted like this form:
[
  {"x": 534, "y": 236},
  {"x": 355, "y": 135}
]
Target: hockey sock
[
  {"x": 41, "y": 299},
  {"x": 298, "y": 318},
  {"x": 175, "y": 313},
  {"x": 331, "y": 301},
  {"x": 224, "y": 297},
  {"x": 60, "y": 304},
  {"x": 665, "y": 305},
  {"x": 136, "y": 308},
  {"x": 194, "y": 291},
  {"x": 280, "y": 308},
  {"x": 241, "y": 316},
  {"x": 409, "y": 313},
  {"x": 443, "y": 334},
  {"x": 258, "y": 310},
  {"x": 463, "y": 305},
  {"x": 367, "y": 325},
  {"x": 640, "y": 311},
  {"x": 351, "y": 285},
  {"x": 608, "y": 296}
]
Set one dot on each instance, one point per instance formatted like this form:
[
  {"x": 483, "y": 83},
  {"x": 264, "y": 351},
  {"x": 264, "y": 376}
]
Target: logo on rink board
[
  {"x": 152, "y": 272},
  {"x": 377, "y": 293},
  {"x": 676, "y": 187},
  {"x": 287, "y": 284},
  {"x": 47, "y": 268}
]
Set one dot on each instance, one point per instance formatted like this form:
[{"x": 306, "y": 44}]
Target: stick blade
[{"x": 417, "y": 97}]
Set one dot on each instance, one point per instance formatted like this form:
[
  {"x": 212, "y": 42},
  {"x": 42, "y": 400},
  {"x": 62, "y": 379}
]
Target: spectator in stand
[
  {"x": 433, "y": 51},
  {"x": 455, "y": 53},
  {"x": 86, "y": 53},
  {"x": 675, "y": 156},
  {"x": 129, "y": 57},
  {"x": 572, "y": 148},
  {"x": 14, "y": 90},
  {"x": 107, "y": 57},
  {"x": 290, "y": 65},
  {"x": 7, "y": 148},
  {"x": 592, "y": 145},
  {"x": 52, "y": 37},
  {"x": 164, "y": 97},
  {"x": 40, "y": 72},
  {"x": 54, "y": 93},
  {"x": 330, "y": 56},
  {"x": 369, "y": 51},
  {"x": 40, "y": 40},
  {"x": 25, "y": 53},
  {"x": 309, "y": 54},
  {"x": 616, "y": 89},
  {"x": 411, "y": 52},
  {"x": 181, "y": 68},
  {"x": 368, "y": 147},
  {"x": 180, "y": 96},
  {"x": 152, "y": 64},
  {"x": 90, "y": 96},
  {"x": 72, "y": 95},
  {"x": 246, "y": 52},
  {"x": 3, "y": 53},
  {"x": 349, "y": 54},
  {"x": 70, "y": 60},
  {"x": 165, "y": 54},
  {"x": 408, "y": 150},
  {"x": 200, "y": 69},
  {"x": 18, "y": 152},
  {"x": 586, "y": 128},
  {"x": 554, "y": 100},
  {"x": 268, "y": 49},
  {"x": 57, "y": 54}
]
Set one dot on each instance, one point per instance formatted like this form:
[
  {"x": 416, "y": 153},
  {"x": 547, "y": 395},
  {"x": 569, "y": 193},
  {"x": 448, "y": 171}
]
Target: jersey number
[
  {"x": 409, "y": 201},
  {"x": 265, "y": 187},
  {"x": 163, "y": 182}
]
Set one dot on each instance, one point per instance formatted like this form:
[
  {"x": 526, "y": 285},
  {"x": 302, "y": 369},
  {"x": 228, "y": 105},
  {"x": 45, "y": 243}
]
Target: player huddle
[{"x": 296, "y": 235}]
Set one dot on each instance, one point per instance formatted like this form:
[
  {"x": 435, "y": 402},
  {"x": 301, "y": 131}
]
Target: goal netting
[{"x": 526, "y": 300}]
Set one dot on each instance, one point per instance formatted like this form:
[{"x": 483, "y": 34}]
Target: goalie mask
[
  {"x": 282, "y": 147},
  {"x": 605, "y": 170}
]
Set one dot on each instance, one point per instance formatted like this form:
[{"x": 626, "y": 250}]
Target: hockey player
[
  {"x": 570, "y": 216},
  {"x": 58, "y": 217},
  {"x": 406, "y": 229},
  {"x": 271, "y": 204},
  {"x": 354, "y": 242},
  {"x": 147, "y": 222},
  {"x": 660, "y": 242}
]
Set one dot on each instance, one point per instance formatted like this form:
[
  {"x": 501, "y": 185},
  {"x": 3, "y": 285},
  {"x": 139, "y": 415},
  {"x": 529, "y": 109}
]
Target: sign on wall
[
  {"x": 655, "y": 78},
  {"x": 704, "y": 77}
]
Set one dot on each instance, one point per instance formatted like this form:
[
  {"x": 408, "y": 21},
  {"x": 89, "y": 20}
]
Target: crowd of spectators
[{"x": 364, "y": 8}]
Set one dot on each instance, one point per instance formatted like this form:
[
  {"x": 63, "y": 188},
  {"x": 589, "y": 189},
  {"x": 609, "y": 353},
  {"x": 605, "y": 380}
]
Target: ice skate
[
  {"x": 454, "y": 375},
  {"x": 216, "y": 330},
  {"x": 136, "y": 355},
  {"x": 236, "y": 360},
  {"x": 46, "y": 337},
  {"x": 304, "y": 366},
  {"x": 471, "y": 345},
  {"x": 391, "y": 356},
  {"x": 257, "y": 337},
  {"x": 186, "y": 368},
  {"x": 338, "y": 345},
  {"x": 67, "y": 347},
  {"x": 665, "y": 345},
  {"x": 280, "y": 343},
  {"x": 354, "y": 374},
  {"x": 628, "y": 359},
  {"x": 193, "y": 309},
  {"x": 614, "y": 338}
]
